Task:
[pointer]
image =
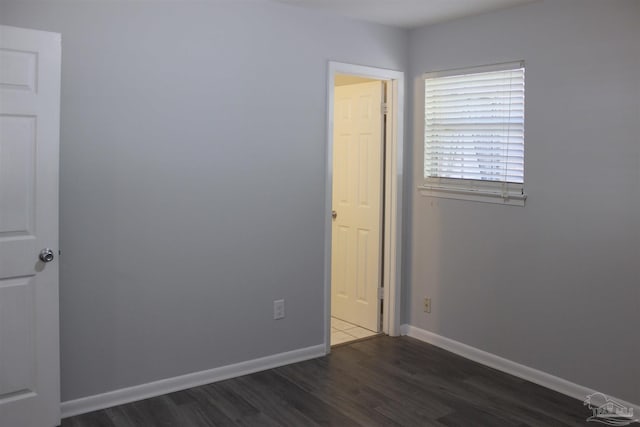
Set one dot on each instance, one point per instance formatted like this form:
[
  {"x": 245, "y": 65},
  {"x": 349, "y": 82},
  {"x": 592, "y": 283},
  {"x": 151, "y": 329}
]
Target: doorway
[
  {"x": 357, "y": 214},
  {"x": 364, "y": 179}
]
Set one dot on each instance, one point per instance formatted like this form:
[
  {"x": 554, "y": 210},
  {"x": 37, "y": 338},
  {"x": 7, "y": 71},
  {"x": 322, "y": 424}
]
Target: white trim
[
  {"x": 394, "y": 176},
  {"x": 544, "y": 379},
  {"x": 182, "y": 382},
  {"x": 465, "y": 191},
  {"x": 503, "y": 66},
  {"x": 385, "y": 293},
  {"x": 393, "y": 200}
]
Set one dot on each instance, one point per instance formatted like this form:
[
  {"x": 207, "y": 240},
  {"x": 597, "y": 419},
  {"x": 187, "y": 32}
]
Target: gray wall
[
  {"x": 192, "y": 180},
  {"x": 554, "y": 285}
]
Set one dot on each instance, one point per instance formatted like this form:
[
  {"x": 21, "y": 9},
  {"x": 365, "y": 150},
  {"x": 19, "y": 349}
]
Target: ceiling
[{"x": 406, "y": 13}]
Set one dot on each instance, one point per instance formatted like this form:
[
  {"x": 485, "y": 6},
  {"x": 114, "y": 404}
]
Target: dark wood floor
[{"x": 381, "y": 381}]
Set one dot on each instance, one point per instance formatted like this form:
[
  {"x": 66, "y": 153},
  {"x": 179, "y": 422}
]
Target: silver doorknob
[
  {"x": 334, "y": 214},
  {"x": 46, "y": 255}
]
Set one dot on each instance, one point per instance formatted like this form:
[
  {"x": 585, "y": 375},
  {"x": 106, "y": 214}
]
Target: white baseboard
[
  {"x": 182, "y": 382},
  {"x": 491, "y": 360}
]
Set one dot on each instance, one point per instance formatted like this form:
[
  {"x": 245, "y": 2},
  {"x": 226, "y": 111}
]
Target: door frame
[{"x": 393, "y": 173}]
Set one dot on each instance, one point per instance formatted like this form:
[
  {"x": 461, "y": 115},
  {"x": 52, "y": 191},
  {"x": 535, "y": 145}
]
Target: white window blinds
[{"x": 474, "y": 124}]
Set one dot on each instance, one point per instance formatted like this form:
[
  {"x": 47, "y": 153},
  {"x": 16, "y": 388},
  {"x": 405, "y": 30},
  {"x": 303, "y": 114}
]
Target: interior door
[
  {"x": 29, "y": 140},
  {"x": 357, "y": 204}
]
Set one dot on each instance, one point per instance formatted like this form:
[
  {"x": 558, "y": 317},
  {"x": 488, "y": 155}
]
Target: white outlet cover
[{"x": 278, "y": 309}]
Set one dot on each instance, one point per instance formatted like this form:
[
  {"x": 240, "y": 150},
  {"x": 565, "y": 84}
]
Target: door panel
[
  {"x": 17, "y": 174},
  {"x": 29, "y": 139},
  {"x": 17, "y": 335},
  {"x": 19, "y": 69},
  {"x": 357, "y": 200},
  {"x": 341, "y": 261},
  {"x": 362, "y": 264}
]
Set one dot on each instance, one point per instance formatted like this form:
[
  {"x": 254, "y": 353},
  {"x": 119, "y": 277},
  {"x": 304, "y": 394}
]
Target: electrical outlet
[
  {"x": 278, "y": 309},
  {"x": 427, "y": 305}
]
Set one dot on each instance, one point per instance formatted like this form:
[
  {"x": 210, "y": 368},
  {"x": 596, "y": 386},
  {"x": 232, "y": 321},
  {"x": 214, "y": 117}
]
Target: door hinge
[
  {"x": 381, "y": 293},
  {"x": 385, "y": 108}
]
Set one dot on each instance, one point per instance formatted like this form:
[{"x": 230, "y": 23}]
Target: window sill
[{"x": 475, "y": 195}]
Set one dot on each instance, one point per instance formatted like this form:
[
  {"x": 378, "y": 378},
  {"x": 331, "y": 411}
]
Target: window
[{"x": 474, "y": 134}]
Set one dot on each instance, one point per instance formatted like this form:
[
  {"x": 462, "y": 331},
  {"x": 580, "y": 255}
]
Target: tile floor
[{"x": 342, "y": 331}]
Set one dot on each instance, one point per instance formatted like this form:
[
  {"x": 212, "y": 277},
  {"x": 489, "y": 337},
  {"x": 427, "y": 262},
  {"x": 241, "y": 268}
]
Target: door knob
[
  {"x": 46, "y": 255},
  {"x": 334, "y": 214}
]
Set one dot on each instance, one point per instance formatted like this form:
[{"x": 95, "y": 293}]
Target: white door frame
[{"x": 392, "y": 250}]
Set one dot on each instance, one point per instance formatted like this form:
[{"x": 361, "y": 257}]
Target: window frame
[{"x": 501, "y": 192}]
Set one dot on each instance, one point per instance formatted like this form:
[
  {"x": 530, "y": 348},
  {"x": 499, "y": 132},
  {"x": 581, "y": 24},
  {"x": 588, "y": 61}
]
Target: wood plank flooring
[{"x": 380, "y": 381}]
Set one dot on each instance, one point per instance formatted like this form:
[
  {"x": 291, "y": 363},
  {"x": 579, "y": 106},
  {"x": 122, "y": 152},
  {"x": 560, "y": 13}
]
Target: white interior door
[
  {"x": 29, "y": 139},
  {"x": 357, "y": 204}
]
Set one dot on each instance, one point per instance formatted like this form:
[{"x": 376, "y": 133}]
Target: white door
[
  {"x": 29, "y": 139},
  {"x": 357, "y": 204}
]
